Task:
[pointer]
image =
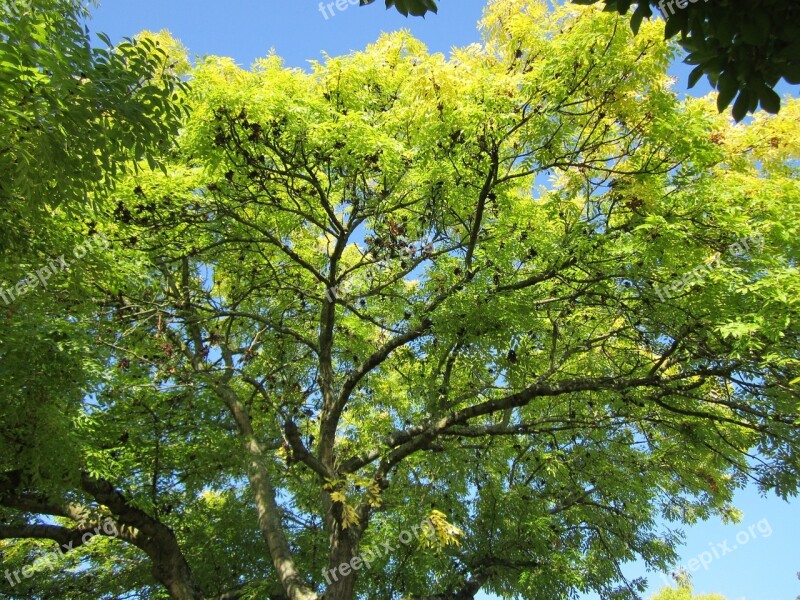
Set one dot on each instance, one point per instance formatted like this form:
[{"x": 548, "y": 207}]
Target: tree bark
[
  {"x": 343, "y": 546},
  {"x": 269, "y": 520}
]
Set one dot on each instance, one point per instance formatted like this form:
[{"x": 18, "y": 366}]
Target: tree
[
  {"x": 356, "y": 349},
  {"x": 743, "y": 47},
  {"x": 72, "y": 119},
  {"x": 683, "y": 592}
]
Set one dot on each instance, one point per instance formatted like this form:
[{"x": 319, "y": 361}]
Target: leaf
[
  {"x": 755, "y": 28},
  {"x": 623, "y": 6},
  {"x": 727, "y": 87},
  {"x": 429, "y": 5},
  {"x": 400, "y": 5},
  {"x": 769, "y": 99},
  {"x": 791, "y": 73},
  {"x": 439, "y": 533},
  {"x": 636, "y": 21},
  {"x": 695, "y": 76},
  {"x": 741, "y": 106},
  {"x": 675, "y": 24}
]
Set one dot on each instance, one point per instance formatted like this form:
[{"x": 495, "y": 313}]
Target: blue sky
[{"x": 756, "y": 566}]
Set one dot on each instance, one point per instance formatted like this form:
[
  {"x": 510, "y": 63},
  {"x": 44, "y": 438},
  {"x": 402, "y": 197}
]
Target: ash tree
[{"x": 522, "y": 294}]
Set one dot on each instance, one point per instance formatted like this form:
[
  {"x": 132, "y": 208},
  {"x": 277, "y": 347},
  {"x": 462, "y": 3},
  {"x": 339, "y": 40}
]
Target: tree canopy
[
  {"x": 683, "y": 592},
  {"x": 409, "y": 326},
  {"x": 74, "y": 118},
  {"x": 73, "y": 114},
  {"x": 743, "y": 47}
]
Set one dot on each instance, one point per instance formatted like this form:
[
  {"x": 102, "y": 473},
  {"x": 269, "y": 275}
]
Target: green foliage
[
  {"x": 743, "y": 47},
  {"x": 683, "y": 592},
  {"x": 73, "y": 115},
  {"x": 73, "y": 119},
  {"x": 351, "y": 304}
]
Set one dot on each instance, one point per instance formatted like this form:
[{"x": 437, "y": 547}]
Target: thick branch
[
  {"x": 269, "y": 520},
  {"x": 68, "y": 538},
  {"x": 406, "y": 442},
  {"x": 153, "y": 537}
]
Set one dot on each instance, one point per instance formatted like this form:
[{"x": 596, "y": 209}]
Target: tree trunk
[
  {"x": 174, "y": 573},
  {"x": 269, "y": 519},
  {"x": 341, "y": 577}
]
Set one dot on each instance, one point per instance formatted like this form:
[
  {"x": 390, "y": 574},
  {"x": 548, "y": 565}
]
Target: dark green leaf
[
  {"x": 675, "y": 24},
  {"x": 770, "y": 101},
  {"x": 741, "y": 106},
  {"x": 727, "y": 86},
  {"x": 695, "y": 76},
  {"x": 636, "y": 21},
  {"x": 791, "y": 73}
]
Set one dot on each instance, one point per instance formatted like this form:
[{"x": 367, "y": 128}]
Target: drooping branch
[
  {"x": 153, "y": 537},
  {"x": 68, "y": 538}
]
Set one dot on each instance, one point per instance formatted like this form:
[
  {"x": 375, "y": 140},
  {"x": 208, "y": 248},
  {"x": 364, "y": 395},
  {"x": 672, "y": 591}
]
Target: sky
[{"x": 756, "y": 559}]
